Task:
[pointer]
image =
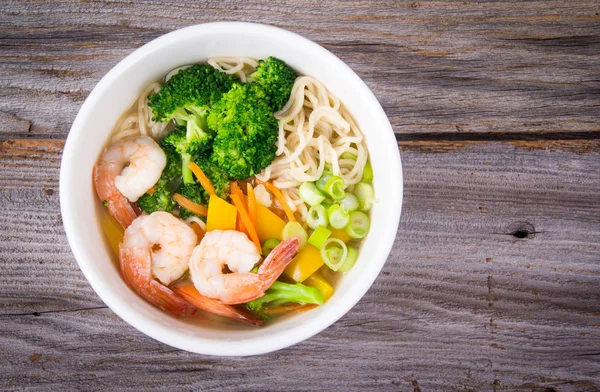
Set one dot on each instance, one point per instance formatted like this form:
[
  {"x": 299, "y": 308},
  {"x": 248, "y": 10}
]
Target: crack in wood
[{"x": 39, "y": 313}]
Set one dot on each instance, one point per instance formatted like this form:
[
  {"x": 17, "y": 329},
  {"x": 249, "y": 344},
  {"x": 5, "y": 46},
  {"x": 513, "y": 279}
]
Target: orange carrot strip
[
  {"x": 198, "y": 230},
  {"x": 190, "y": 205},
  {"x": 287, "y": 308},
  {"x": 239, "y": 225},
  {"x": 251, "y": 203},
  {"x": 204, "y": 181},
  {"x": 277, "y": 193},
  {"x": 151, "y": 190},
  {"x": 239, "y": 204}
]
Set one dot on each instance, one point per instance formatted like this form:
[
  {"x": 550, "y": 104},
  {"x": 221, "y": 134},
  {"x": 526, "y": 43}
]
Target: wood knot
[{"x": 522, "y": 230}]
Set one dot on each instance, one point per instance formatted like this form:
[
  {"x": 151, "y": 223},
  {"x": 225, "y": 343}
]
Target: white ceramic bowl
[{"x": 81, "y": 209}]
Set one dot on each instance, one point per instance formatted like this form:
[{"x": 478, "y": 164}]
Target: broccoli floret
[
  {"x": 194, "y": 193},
  {"x": 160, "y": 200},
  {"x": 219, "y": 180},
  {"x": 191, "y": 91},
  {"x": 217, "y": 176},
  {"x": 246, "y": 132},
  {"x": 282, "y": 293},
  {"x": 277, "y": 79},
  {"x": 186, "y": 98}
]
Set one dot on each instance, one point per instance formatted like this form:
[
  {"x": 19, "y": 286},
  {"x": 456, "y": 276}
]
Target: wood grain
[
  {"x": 436, "y": 66},
  {"x": 493, "y": 282},
  {"x": 463, "y": 303}
]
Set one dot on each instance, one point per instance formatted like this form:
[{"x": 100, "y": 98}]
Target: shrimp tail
[
  {"x": 122, "y": 211},
  {"x": 252, "y": 286},
  {"x": 188, "y": 292},
  {"x": 136, "y": 269},
  {"x": 118, "y": 205},
  {"x": 276, "y": 261}
]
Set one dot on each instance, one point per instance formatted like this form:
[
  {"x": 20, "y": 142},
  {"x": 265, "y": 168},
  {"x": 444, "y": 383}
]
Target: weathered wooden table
[{"x": 494, "y": 280}]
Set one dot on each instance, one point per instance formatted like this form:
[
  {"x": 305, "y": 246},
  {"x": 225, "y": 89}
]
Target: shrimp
[
  {"x": 233, "y": 249},
  {"x": 187, "y": 290},
  {"x": 126, "y": 170},
  {"x": 158, "y": 246}
]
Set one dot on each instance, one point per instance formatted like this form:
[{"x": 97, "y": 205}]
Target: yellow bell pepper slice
[
  {"x": 340, "y": 234},
  {"x": 221, "y": 215},
  {"x": 318, "y": 282},
  {"x": 306, "y": 262},
  {"x": 114, "y": 232},
  {"x": 268, "y": 225}
]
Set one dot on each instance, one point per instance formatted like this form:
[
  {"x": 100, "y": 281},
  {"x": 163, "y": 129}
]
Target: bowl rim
[{"x": 206, "y": 345}]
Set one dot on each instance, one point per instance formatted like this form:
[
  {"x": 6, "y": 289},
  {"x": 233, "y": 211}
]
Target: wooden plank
[
  {"x": 436, "y": 66},
  {"x": 491, "y": 285}
]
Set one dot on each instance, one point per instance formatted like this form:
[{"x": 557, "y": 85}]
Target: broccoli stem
[{"x": 186, "y": 172}]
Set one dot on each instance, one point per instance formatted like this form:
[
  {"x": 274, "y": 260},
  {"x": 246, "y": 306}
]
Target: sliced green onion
[
  {"x": 334, "y": 252},
  {"x": 349, "y": 261},
  {"x": 350, "y": 202},
  {"x": 294, "y": 230},
  {"x": 367, "y": 173},
  {"x": 310, "y": 194},
  {"x": 269, "y": 245},
  {"x": 321, "y": 182},
  {"x": 319, "y": 236},
  {"x": 335, "y": 188},
  {"x": 317, "y": 216},
  {"x": 338, "y": 216},
  {"x": 366, "y": 195},
  {"x": 359, "y": 225},
  {"x": 348, "y": 155}
]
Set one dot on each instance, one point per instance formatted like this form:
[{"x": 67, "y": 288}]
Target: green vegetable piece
[
  {"x": 349, "y": 261},
  {"x": 335, "y": 188},
  {"x": 269, "y": 245},
  {"x": 317, "y": 216},
  {"x": 169, "y": 181},
  {"x": 367, "y": 173},
  {"x": 365, "y": 194},
  {"x": 359, "y": 225},
  {"x": 277, "y": 80},
  {"x": 283, "y": 293},
  {"x": 310, "y": 194},
  {"x": 186, "y": 98},
  {"x": 348, "y": 155},
  {"x": 295, "y": 230},
  {"x": 338, "y": 216},
  {"x": 321, "y": 182},
  {"x": 319, "y": 236},
  {"x": 246, "y": 132},
  {"x": 350, "y": 202},
  {"x": 334, "y": 252}
]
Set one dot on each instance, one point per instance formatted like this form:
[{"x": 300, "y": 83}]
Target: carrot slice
[
  {"x": 277, "y": 193},
  {"x": 251, "y": 203},
  {"x": 190, "y": 205},
  {"x": 198, "y": 230},
  {"x": 204, "y": 181},
  {"x": 151, "y": 190},
  {"x": 239, "y": 225},
  {"x": 236, "y": 198}
]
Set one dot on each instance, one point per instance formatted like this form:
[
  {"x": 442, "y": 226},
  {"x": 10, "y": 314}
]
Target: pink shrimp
[
  {"x": 158, "y": 246},
  {"x": 233, "y": 249},
  {"x": 126, "y": 170}
]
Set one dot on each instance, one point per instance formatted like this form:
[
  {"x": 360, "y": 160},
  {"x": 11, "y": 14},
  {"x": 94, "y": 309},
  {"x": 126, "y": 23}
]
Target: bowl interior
[{"x": 82, "y": 211}]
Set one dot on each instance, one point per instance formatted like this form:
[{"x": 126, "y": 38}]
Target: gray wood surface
[{"x": 494, "y": 280}]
